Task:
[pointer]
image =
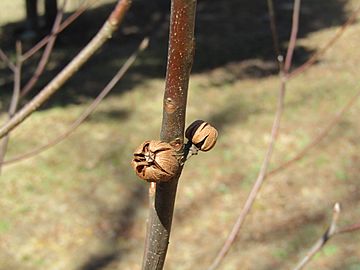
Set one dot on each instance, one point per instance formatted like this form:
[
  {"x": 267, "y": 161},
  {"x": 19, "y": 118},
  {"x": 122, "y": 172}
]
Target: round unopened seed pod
[
  {"x": 155, "y": 161},
  {"x": 202, "y": 135}
]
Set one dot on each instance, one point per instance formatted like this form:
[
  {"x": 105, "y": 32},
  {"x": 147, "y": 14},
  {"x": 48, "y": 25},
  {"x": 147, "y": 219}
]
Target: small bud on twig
[
  {"x": 202, "y": 135},
  {"x": 155, "y": 161}
]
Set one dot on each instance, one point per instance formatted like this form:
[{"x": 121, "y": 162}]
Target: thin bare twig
[
  {"x": 327, "y": 46},
  {"x": 46, "y": 54},
  {"x": 90, "y": 109},
  {"x": 80, "y": 10},
  {"x": 350, "y": 228},
  {"x": 7, "y": 61},
  {"x": 293, "y": 36},
  {"x": 274, "y": 132},
  {"x": 104, "y": 34},
  {"x": 14, "y": 100},
  {"x": 324, "y": 132},
  {"x": 331, "y": 231}
]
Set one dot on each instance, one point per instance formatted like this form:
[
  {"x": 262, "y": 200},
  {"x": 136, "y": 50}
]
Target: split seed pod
[
  {"x": 155, "y": 161},
  {"x": 202, "y": 135}
]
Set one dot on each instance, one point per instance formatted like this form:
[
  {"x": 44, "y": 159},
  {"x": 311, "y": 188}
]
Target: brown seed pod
[
  {"x": 202, "y": 135},
  {"x": 155, "y": 161}
]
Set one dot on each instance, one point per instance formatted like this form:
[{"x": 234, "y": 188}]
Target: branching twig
[
  {"x": 180, "y": 58},
  {"x": 81, "y": 9},
  {"x": 7, "y": 61},
  {"x": 104, "y": 33},
  {"x": 46, "y": 54},
  {"x": 331, "y": 231},
  {"x": 87, "y": 111},
  {"x": 14, "y": 99},
  {"x": 324, "y": 132},
  {"x": 275, "y": 128},
  {"x": 348, "y": 229},
  {"x": 327, "y": 46}
]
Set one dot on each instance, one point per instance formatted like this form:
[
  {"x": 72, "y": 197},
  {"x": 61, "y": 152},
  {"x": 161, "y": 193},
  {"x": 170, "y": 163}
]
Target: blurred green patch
[
  {"x": 341, "y": 174},
  {"x": 327, "y": 250},
  {"x": 5, "y": 226},
  {"x": 280, "y": 253}
]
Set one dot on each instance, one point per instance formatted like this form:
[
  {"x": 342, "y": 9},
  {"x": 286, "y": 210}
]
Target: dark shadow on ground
[
  {"x": 116, "y": 225},
  {"x": 235, "y": 36}
]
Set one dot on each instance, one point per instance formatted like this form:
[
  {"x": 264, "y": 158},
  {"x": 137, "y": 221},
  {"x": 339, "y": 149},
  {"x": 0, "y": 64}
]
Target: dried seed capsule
[
  {"x": 155, "y": 161},
  {"x": 202, "y": 135}
]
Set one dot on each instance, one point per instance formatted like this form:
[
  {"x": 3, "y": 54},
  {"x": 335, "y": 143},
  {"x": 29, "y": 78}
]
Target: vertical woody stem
[{"x": 180, "y": 58}]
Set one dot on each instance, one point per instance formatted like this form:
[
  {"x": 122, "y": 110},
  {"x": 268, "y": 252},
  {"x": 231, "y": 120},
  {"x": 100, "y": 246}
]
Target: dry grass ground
[{"x": 80, "y": 206}]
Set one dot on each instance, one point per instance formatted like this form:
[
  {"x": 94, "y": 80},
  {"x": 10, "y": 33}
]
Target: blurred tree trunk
[
  {"x": 50, "y": 12},
  {"x": 32, "y": 15}
]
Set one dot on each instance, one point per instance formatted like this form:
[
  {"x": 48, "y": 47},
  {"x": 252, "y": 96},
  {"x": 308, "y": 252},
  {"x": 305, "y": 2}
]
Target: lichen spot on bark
[{"x": 170, "y": 106}]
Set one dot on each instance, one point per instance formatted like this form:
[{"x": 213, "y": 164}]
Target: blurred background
[{"x": 80, "y": 206}]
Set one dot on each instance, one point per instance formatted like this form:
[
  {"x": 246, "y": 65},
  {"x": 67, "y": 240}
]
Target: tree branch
[
  {"x": 69, "y": 20},
  {"x": 7, "y": 61},
  {"x": 46, "y": 54},
  {"x": 327, "y": 46},
  {"x": 331, "y": 231},
  {"x": 180, "y": 58},
  {"x": 104, "y": 33},
  {"x": 324, "y": 132},
  {"x": 14, "y": 100},
  {"x": 90, "y": 109},
  {"x": 274, "y": 132},
  {"x": 348, "y": 229}
]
